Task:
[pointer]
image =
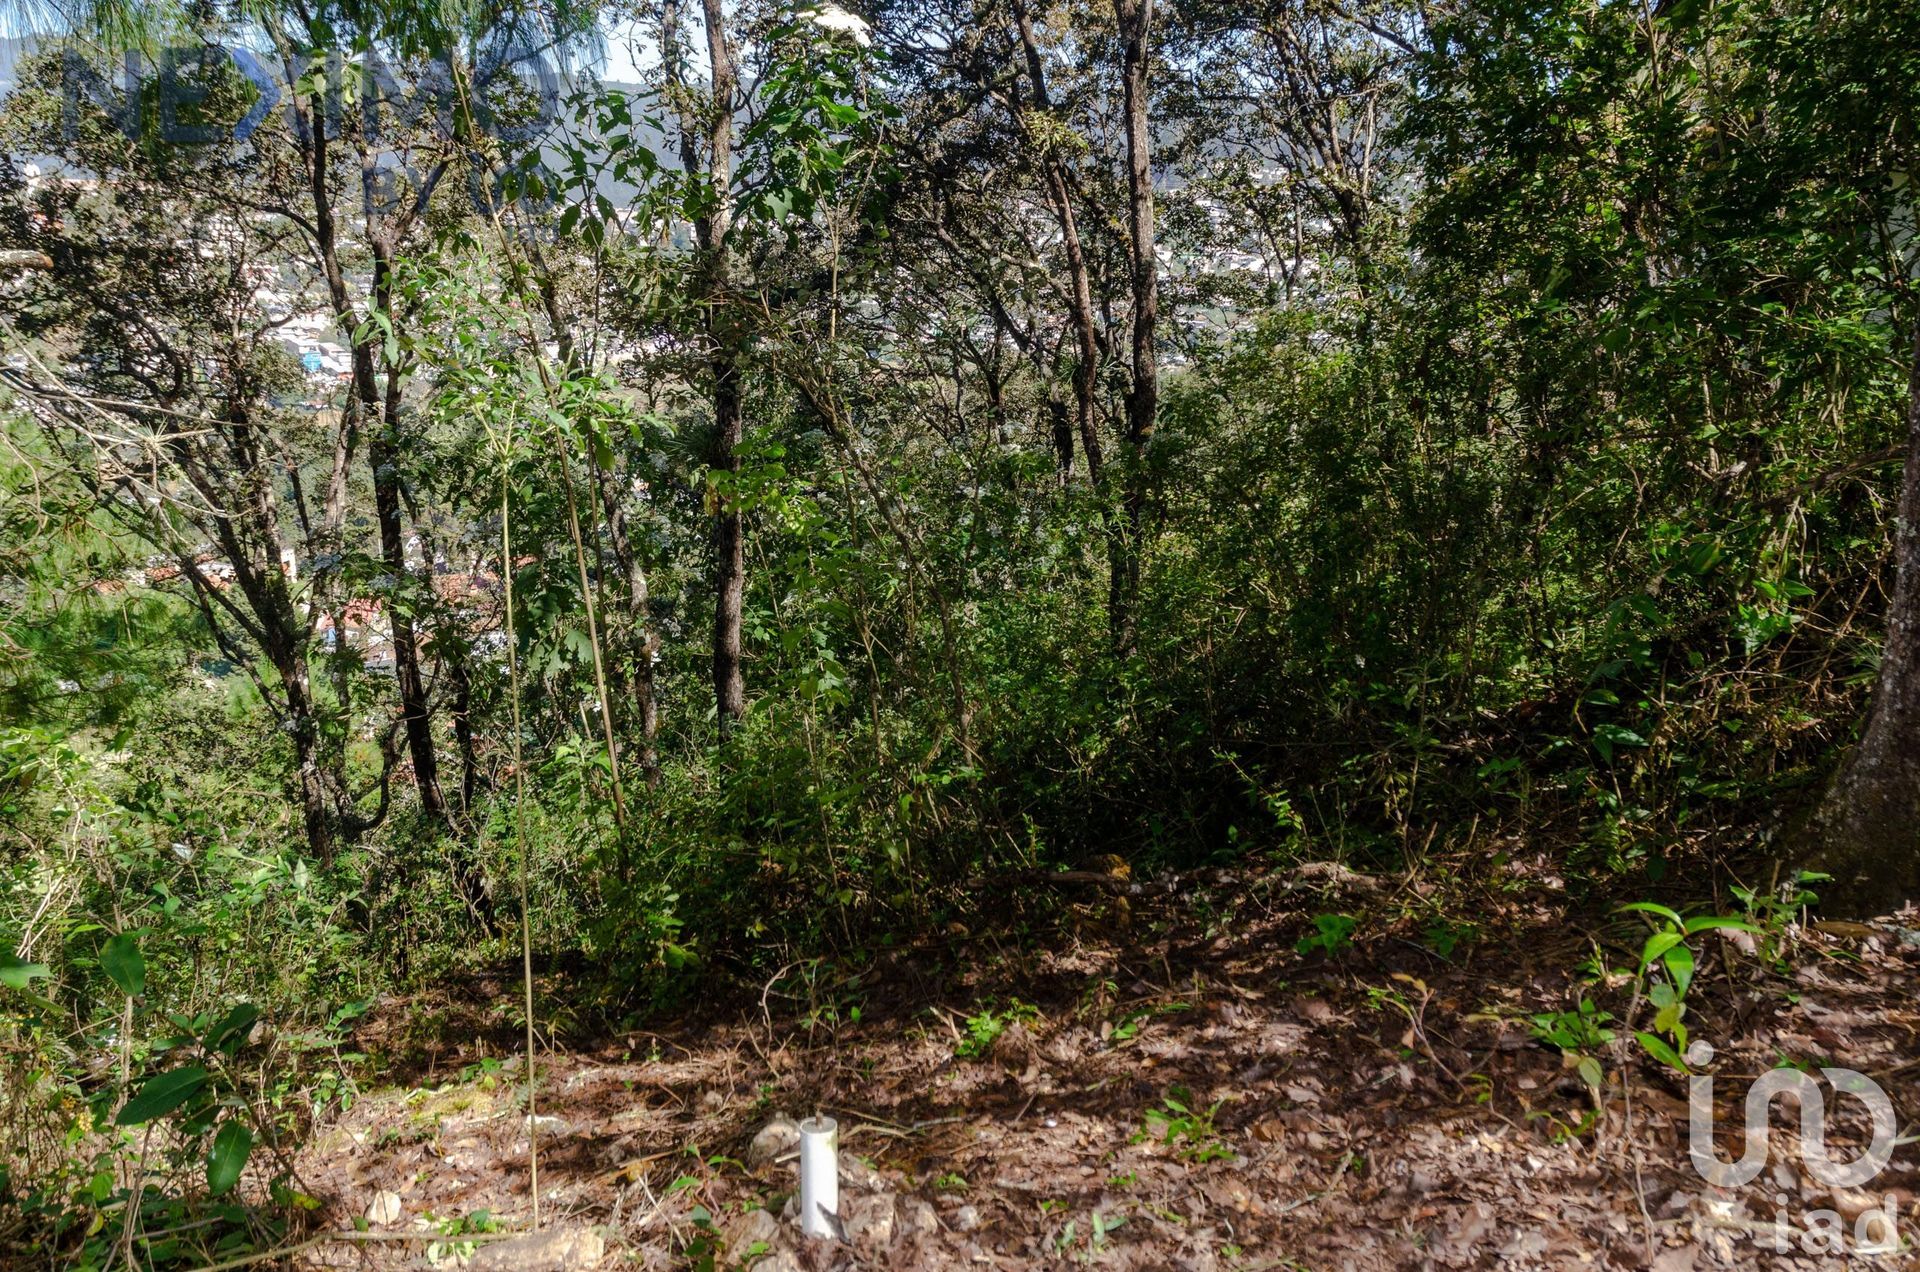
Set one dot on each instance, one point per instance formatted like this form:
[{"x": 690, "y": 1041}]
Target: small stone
[
  {"x": 556, "y": 1250},
  {"x": 754, "y": 1227},
  {"x": 966, "y": 1219},
  {"x": 384, "y": 1209},
  {"x": 776, "y": 1138}
]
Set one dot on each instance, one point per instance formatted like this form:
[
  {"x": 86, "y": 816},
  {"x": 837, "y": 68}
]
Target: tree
[
  {"x": 1143, "y": 391},
  {"x": 706, "y": 156},
  {"x": 1849, "y": 77},
  {"x": 349, "y": 191},
  {"x": 152, "y": 287}
]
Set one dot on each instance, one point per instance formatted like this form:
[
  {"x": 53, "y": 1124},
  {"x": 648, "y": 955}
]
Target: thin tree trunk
[
  {"x": 640, "y": 637},
  {"x": 381, "y": 419},
  {"x": 724, "y": 336},
  {"x": 383, "y": 457},
  {"x": 729, "y": 550},
  {"x": 1866, "y": 833},
  {"x": 1143, "y": 394},
  {"x": 460, "y": 673},
  {"x": 1081, "y": 311}
]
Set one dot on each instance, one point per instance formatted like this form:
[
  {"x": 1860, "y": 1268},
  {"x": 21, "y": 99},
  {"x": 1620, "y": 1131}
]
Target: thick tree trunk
[
  {"x": 1135, "y": 18},
  {"x": 1866, "y": 833}
]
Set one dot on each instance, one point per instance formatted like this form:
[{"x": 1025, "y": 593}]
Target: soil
[{"x": 1169, "y": 1084}]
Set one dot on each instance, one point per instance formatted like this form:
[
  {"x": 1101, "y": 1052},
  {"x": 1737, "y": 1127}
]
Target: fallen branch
[
  {"x": 1308, "y": 874},
  {"x": 1326, "y": 874}
]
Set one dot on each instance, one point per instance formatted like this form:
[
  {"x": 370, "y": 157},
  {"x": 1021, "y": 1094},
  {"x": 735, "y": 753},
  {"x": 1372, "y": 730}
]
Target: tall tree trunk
[
  {"x": 383, "y": 457},
  {"x": 1135, "y": 18},
  {"x": 729, "y": 549},
  {"x": 381, "y": 418},
  {"x": 1080, "y": 287},
  {"x": 723, "y": 331},
  {"x": 640, "y": 637},
  {"x": 461, "y": 674},
  {"x": 1866, "y": 833}
]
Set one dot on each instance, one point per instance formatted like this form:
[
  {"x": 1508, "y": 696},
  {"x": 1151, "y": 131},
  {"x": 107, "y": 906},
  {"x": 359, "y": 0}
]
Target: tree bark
[
  {"x": 1080, "y": 309},
  {"x": 383, "y": 458},
  {"x": 380, "y": 414},
  {"x": 724, "y": 336},
  {"x": 640, "y": 638},
  {"x": 1866, "y": 833},
  {"x": 1135, "y": 18}
]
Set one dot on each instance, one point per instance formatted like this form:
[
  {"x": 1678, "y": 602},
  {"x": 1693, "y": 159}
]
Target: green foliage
[
  {"x": 984, "y": 1027},
  {"x": 1665, "y": 968},
  {"x": 1578, "y": 1033},
  {"x": 1332, "y": 935},
  {"x": 1533, "y": 487},
  {"x": 1180, "y": 1123}
]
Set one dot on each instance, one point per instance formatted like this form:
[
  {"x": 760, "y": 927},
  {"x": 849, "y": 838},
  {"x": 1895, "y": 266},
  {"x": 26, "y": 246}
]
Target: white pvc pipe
[{"x": 820, "y": 1177}]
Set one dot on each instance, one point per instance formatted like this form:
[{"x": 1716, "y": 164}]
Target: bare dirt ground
[{"x": 1190, "y": 1093}]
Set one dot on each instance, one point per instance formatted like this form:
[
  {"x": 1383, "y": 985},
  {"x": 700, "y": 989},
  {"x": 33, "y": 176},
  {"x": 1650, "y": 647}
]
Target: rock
[
  {"x": 869, "y": 1220},
  {"x": 557, "y": 1250},
  {"x": 755, "y": 1226},
  {"x": 966, "y": 1219},
  {"x": 913, "y": 1216},
  {"x": 780, "y": 1136},
  {"x": 384, "y": 1209}
]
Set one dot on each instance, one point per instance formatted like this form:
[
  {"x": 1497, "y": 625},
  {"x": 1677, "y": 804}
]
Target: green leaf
[
  {"x": 1657, "y": 944},
  {"x": 1717, "y": 923},
  {"x": 233, "y": 1028},
  {"x": 162, "y": 1094},
  {"x": 1591, "y": 1073},
  {"x": 1668, "y": 1018},
  {"x": 1679, "y": 962},
  {"x": 1650, "y": 907},
  {"x": 121, "y": 960},
  {"x": 231, "y": 1144},
  {"x": 15, "y": 974},
  {"x": 1657, "y": 1048}
]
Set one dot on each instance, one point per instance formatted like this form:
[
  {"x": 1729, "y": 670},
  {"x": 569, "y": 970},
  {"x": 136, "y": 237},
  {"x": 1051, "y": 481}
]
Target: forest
[{"x": 1189, "y": 635}]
